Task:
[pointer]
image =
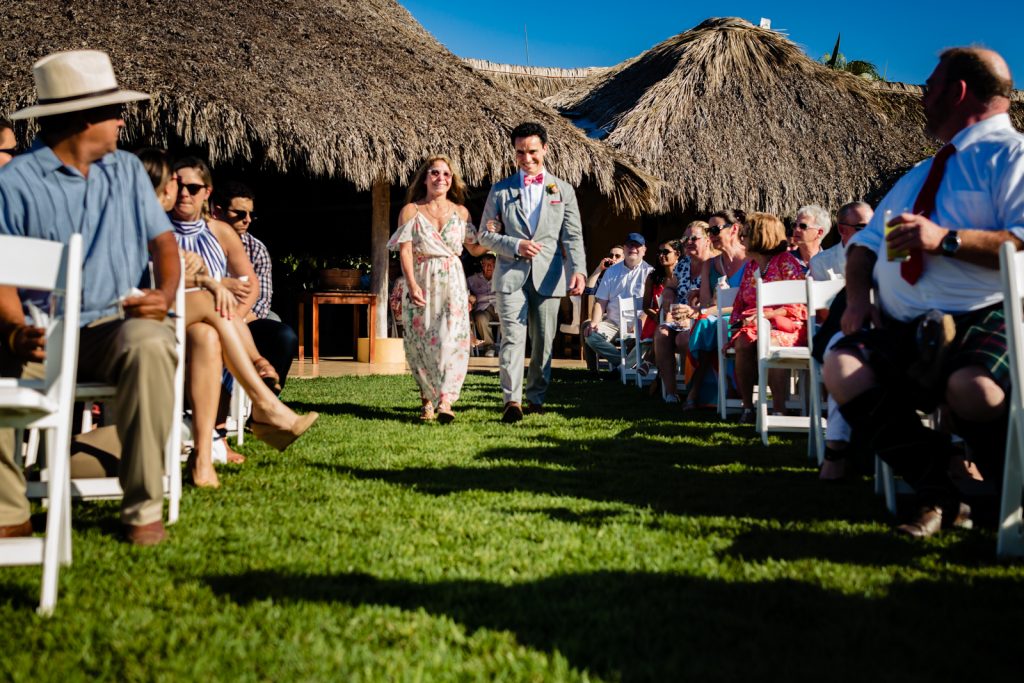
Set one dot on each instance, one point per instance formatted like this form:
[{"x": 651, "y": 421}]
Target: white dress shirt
[
  {"x": 982, "y": 189},
  {"x": 832, "y": 259},
  {"x": 532, "y": 194}
]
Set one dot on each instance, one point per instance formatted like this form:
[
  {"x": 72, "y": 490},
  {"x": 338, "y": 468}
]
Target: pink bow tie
[{"x": 530, "y": 180}]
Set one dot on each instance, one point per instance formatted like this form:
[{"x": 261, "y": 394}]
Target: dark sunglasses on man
[
  {"x": 13, "y": 151},
  {"x": 856, "y": 226},
  {"x": 241, "y": 215}
]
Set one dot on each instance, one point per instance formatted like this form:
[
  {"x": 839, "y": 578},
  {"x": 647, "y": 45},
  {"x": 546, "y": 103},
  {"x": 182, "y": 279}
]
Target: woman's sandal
[
  {"x": 445, "y": 414},
  {"x": 282, "y": 438},
  {"x": 427, "y": 412}
]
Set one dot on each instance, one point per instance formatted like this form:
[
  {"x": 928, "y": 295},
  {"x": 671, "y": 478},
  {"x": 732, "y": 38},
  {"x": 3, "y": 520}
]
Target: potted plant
[{"x": 344, "y": 272}]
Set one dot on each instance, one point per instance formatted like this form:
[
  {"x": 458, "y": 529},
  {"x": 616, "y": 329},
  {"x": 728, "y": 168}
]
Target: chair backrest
[
  {"x": 820, "y": 295},
  {"x": 52, "y": 267},
  {"x": 627, "y": 317},
  {"x": 1011, "y": 272},
  {"x": 573, "y": 327},
  {"x": 725, "y": 297},
  {"x": 774, "y": 294}
]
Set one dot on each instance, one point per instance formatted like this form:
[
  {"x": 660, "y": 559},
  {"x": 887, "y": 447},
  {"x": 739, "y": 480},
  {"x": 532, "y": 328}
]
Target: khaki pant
[{"x": 139, "y": 357}]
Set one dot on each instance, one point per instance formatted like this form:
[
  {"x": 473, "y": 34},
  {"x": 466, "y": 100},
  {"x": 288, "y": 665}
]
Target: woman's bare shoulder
[{"x": 407, "y": 213}]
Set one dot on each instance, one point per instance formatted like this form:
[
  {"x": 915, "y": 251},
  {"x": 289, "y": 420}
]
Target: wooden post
[{"x": 380, "y": 232}]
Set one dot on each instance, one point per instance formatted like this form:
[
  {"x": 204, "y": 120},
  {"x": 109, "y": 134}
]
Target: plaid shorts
[{"x": 980, "y": 341}]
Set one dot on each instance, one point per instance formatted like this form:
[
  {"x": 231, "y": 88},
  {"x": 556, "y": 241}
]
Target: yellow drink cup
[{"x": 890, "y": 253}]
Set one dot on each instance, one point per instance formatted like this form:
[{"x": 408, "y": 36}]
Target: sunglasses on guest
[
  {"x": 715, "y": 230},
  {"x": 436, "y": 173},
  {"x": 856, "y": 226},
  {"x": 241, "y": 215},
  {"x": 192, "y": 188},
  {"x": 13, "y": 151},
  {"x": 666, "y": 252},
  {"x": 805, "y": 226}
]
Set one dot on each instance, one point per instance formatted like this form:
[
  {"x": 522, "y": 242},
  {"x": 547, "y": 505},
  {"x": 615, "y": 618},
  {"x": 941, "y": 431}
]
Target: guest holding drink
[
  {"x": 765, "y": 239},
  {"x": 433, "y": 228},
  {"x": 662, "y": 279}
]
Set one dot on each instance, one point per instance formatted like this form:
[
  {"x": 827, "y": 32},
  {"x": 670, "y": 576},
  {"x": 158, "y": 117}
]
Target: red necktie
[
  {"x": 531, "y": 179},
  {"x": 924, "y": 205}
]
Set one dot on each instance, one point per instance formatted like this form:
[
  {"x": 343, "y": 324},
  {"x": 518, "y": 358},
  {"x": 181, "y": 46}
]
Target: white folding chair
[
  {"x": 629, "y": 329},
  {"x": 770, "y": 356},
  {"x": 46, "y": 404},
  {"x": 241, "y": 407},
  {"x": 109, "y": 488},
  {"x": 820, "y": 295},
  {"x": 724, "y": 299},
  {"x": 1010, "y": 538}
]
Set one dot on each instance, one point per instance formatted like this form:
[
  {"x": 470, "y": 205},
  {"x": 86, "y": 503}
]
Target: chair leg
[
  {"x": 56, "y": 545},
  {"x": 1010, "y": 539}
]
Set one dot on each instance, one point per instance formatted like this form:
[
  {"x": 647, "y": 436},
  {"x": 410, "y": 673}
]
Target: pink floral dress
[
  {"x": 793, "y": 331},
  {"x": 437, "y": 334}
]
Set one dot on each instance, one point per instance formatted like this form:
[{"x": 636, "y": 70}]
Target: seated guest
[
  {"x": 483, "y": 312},
  {"x": 131, "y": 345},
  {"x": 623, "y": 279},
  {"x": 831, "y": 262},
  {"x": 941, "y": 336},
  {"x": 615, "y": 254},
  {"x": 724, "y": 232},
  {"x": 278, "y": 343},
  {"x": 661, "y": 279},
  {"x": 765, "y": 238},
  {"x": 225, "y": 262},
  {"x": 812, "y": 224},
  {"x": 826, "y": 265}
]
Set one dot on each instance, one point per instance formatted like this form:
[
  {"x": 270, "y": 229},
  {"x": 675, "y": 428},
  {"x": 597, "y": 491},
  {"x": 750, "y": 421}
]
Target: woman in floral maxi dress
[{"x": 433, "y": 227}]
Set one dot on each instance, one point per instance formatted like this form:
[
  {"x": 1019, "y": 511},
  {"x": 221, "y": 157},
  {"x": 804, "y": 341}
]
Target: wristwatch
[{"x": 950, "y": 243}]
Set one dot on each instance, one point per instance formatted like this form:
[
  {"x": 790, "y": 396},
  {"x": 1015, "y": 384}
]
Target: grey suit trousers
[{"x": 517, "y": 310}]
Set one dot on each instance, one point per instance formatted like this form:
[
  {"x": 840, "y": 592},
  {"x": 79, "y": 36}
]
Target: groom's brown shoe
[{"x": 513, "y": 412}]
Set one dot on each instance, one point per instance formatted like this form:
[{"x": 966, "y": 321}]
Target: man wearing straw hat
[
  {"x": 532, "y": 222},
  {"x": 74, "y": 180}
]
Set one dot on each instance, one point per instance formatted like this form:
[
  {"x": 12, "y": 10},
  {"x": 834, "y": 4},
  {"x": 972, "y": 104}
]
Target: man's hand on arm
[
  {"x": 239, "y": 288},
  {"x": 26, "y": 342}
]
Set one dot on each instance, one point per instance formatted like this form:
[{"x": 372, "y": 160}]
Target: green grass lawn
[{"x": 610, "y": 539}]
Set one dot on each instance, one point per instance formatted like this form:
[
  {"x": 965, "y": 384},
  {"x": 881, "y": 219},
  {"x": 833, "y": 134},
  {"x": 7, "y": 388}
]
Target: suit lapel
[{"x": 516, "y": 193}]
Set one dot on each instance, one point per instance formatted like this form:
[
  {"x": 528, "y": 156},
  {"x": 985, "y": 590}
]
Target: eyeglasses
[
  {"x": 804, "y": 226},
  {"x": 192, "y": 188},
  {"x": 714, "y": 230},
  {"x": 241, "y": 215},
  {"x": 665, "y": 252},
  {"x": 13, "y": 151},
  {"x": 436, "y": 172},
  {"x": 692, "y": 238},
  {"x": 858, "y": 226},
  {"x": 615, "y": 256}
]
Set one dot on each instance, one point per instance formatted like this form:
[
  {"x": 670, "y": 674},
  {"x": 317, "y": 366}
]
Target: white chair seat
[
  {"x": 798, "y": 354},
  {"x": 24, "y": 402}
]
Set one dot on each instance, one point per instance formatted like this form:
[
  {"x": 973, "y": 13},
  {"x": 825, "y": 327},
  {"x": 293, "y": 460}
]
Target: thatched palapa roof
[
  {"x": 353, "y": 89},
  {"x": 536, "y": 81},
  {"x": 732, "y": 115}
]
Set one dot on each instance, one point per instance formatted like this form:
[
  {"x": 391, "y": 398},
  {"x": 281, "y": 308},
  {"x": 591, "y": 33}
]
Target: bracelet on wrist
[{"x": 12, "y": 335}]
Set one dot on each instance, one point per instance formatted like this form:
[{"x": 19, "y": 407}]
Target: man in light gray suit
[{"x": 532, "y": 222}]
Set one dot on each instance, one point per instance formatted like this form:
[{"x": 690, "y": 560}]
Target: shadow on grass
[
  {"x": 781, "y": 495},
  {"x": 360, "y": 411},
  {"x": 658, "y": 627}
]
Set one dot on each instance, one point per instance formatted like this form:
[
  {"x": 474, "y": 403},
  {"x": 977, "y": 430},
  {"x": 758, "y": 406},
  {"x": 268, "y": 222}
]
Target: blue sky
[{"x": 893, "y": 35}]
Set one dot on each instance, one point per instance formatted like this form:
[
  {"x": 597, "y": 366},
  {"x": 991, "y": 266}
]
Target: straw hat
[{"x": 75, "y": 81}]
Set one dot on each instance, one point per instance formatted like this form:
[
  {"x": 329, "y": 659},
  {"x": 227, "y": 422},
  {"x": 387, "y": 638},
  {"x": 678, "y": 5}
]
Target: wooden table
[{"x": 354, "y": 299}]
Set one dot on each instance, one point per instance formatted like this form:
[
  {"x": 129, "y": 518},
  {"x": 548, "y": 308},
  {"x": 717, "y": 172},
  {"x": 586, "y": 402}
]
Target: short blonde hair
[{"x": 765, "y": 234}]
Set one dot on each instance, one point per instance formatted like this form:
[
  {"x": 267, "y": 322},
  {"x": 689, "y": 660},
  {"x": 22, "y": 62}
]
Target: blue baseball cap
[{"x": 636, "y": 237}]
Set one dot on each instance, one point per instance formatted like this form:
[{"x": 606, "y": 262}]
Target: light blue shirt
[{"x": 115, "y": 209}]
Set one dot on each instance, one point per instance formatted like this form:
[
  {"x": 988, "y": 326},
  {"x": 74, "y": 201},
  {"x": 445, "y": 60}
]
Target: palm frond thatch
[
  {"x": 732, "y": 115},
  {"x": 534, "y": 81},
  {"x": 353, "y": 89}
]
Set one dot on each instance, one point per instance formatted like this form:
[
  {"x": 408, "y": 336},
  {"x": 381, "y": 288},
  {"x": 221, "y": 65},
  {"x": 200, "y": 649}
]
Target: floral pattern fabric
[
  {"x": 437, "y": 334},
  {"x": 781, "y": 267}
]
